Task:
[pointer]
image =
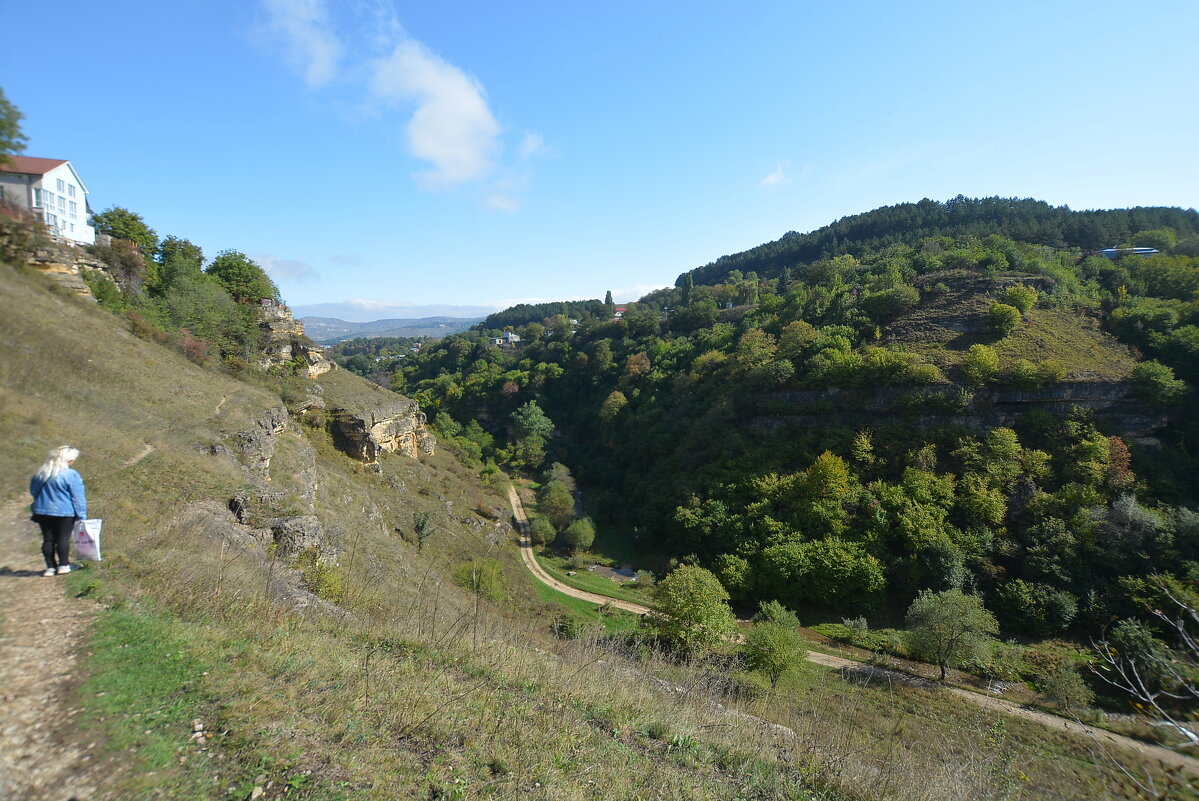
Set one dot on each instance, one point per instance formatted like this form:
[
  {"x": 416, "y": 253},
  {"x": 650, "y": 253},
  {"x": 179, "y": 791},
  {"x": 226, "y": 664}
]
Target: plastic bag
[{"x": 85, "y": 538}]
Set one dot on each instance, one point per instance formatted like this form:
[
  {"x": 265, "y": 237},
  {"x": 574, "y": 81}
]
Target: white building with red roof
[{"x": 51, "y": 189}]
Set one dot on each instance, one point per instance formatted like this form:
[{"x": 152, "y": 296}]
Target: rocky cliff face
[
  {"x": 1112, "y": 403},
  {"x": 284, "y": 342},
  {"x": 394, "y": 424},
  {"x": 65, "y": 265}
]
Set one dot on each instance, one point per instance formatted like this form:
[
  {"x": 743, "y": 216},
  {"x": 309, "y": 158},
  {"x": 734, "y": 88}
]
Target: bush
[
  {"x": 980, "y": 365},
  {"x": 105, "y": 290},
  {"x": 1022, "y": 297},
  {"x": 1068, "y": 688},
  {"x": 1155, "y": 382},
  {"x": 775, "y": 612},
  {"x": 1003, "y": 319}
]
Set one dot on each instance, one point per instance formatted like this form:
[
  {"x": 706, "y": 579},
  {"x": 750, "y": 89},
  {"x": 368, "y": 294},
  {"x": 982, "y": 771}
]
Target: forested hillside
[{"x": 927, "y": 396}]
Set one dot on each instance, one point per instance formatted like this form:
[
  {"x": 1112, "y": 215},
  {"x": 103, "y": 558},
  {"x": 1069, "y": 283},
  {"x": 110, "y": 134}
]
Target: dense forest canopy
[
  {"x": 825, "y": 429},
  {"x": 1025, "y": 220}
]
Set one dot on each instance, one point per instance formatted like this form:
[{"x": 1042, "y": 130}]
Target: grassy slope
[{"x": 417, "y": 690}]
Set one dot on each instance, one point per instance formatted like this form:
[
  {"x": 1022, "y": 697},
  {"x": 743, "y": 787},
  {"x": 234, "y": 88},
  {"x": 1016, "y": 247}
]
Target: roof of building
[{"x": 31, "y": 165}]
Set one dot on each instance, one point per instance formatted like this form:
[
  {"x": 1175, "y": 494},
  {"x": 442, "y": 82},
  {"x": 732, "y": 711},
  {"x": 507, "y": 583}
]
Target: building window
[
  {"x": 51, "y": 220},
  {"x": 73, "y": 208},
  {"x": 62, "y": 202},
  {"x": 37, "y": 198},
  {"x": 62, "y": 185},
  {"x": 47, "y": 196},
  {"x": 71, "y": 190}
]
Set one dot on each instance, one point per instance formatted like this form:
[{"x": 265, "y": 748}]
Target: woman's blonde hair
[{"x": 60, "y": 459}]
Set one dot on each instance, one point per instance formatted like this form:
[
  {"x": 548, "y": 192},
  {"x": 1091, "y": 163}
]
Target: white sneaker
[
  {"x": 48, "y": 572},
  {"x": 64, "y": 569}
]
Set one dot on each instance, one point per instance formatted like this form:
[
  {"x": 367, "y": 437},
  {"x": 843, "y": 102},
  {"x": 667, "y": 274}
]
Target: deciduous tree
[
  {"x": 948, "y": 626},
  {"x": 692, "y": 608}
]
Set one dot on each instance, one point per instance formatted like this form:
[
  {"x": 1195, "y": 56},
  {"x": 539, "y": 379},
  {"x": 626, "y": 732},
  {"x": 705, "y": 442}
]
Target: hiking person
[{"x": 58, "y": 501}]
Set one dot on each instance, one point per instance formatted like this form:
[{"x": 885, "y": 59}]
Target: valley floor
[{"x": 1104, "y": 740}]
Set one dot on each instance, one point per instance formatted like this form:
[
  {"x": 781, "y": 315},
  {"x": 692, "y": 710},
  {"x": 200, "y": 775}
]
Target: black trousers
[{"x": 56, "y": 539}]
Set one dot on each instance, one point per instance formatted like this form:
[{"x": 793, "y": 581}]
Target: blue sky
[{"x": 389, "y": 159}]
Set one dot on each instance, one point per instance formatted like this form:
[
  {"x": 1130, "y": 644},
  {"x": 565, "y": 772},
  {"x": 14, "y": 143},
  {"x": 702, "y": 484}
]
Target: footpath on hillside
[
  {"x": 41, "y": 630},
  {"x": 1101, "y": 737}
]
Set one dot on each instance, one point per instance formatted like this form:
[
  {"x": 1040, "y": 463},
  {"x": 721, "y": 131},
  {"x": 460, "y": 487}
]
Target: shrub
[
  {"x": 105, "y": 290},
  {"x": 775, "y": 612},
  {"x": 1022, "y": 297},
  {"x": 1068, "y": 688},
  {"x": 980, "y": 365},
  {"x": 1155, "y": 382},
  {"x": 1002, "y": 319}
]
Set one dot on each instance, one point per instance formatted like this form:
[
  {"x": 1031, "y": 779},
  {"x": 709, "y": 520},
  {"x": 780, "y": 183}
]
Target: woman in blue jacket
[{"x": 58, "y": 501}]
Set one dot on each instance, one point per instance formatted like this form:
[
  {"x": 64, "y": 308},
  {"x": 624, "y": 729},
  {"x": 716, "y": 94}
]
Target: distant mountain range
[{"x": 330, "y": 330}]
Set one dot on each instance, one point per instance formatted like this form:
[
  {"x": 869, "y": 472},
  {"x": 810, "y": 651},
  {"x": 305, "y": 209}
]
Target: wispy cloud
[
  {"x": 779, "y": 176},
  {"x": 447, "y": 121},
  {"x": 452, "y": 127},
  {"x": 353, "y": 259},
  {"x": 286, "y": 269},
  {"x": 304, "y": 29},
  {"x": 531, "y": 144}
]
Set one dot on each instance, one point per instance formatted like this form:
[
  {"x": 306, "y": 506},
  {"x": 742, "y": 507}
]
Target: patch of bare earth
[{"x": 40, "y": 635}]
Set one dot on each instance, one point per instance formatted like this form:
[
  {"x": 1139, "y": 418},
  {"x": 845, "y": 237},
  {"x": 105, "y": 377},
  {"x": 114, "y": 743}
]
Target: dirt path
[
  {"x": 530, "y": 560},
  {"x": 1106, "y": 740},
  {"x": 40, "y": 631}
]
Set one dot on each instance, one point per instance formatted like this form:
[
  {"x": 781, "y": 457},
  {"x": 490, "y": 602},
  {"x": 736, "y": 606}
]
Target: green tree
[
  {"x": 692, "y": 608},
  {"x": 12, "y": 139},
  {"x": 121, "y": 223},
  {"x": 1164, "y": 239},
  {"x": 529, "y": 420},
  {"x": 556, "y": 502},
  {"x": 541, "y": 531},
  {"x": 242, "y": 277},
  {"x": 773, "y": 649},
  {"x": 949, "y": 626},
  {"x": 177, "y": 258},
  {"x": 613, "y": 405},
  {"x": 580, "y": 534}
]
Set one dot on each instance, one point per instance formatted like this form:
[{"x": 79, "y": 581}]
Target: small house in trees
[
  {"x": 51, "y": 190},
  {"x": 506, "y": 340}
]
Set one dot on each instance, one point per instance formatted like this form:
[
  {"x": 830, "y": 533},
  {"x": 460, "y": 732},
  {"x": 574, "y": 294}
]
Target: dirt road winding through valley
[{"x": 1102, "y": 739}]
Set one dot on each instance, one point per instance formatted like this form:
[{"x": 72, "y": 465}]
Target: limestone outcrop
[
  {"x": 948, "y": 404},
  {"x": 65, "y": 265},
  {"x": 391, "y": 423},
  {"x": 284, "y": 342}
]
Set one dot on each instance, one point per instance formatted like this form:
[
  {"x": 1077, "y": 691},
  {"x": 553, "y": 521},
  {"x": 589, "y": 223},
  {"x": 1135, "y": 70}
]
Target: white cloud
[
  {"x": 452, "y": 127},
  {"x": 286, "y": 269},
  {"x": 532, "y": 144},
  {"x": 502, "y": 202},
  {"x": 779, "y": 176},
  {"x": 304, "y": 28}
]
